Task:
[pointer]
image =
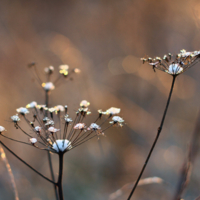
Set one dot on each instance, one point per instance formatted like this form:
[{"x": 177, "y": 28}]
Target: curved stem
[
  {"x": 59, "y": 184},
  {"x": 156, "y": 139},
  {"x": 27, "y": 163}
]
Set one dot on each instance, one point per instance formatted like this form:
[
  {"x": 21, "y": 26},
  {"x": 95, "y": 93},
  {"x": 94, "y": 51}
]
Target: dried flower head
[
  {"x": 48, "y": 86},
  {"x": 33, "y": 140},
  {"x": 33, "y": 104},
  {"x": 69, "y": 135},
  {"x": 176, "y": 66},
  {"x": 117, "y": 120},
  {"x": 15, "y": 118},
  {"x": 22, "y": 110},
  {"x": 111, "y": 111}
]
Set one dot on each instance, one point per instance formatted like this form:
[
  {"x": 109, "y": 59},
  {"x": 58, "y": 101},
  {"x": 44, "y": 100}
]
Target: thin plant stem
[
  {"x": 27, "y": 163},
  {"x": 156, "y": 139},
  {"x": 48, "y": 153},
  {"x": 60, "y": 176}
]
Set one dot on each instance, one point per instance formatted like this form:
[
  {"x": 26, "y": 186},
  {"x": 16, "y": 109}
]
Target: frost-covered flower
[
  {"x": 94, "y": 127},
  {"x": 180, "y": 63},
  {"x": 22, "y": 110},
  {"x": 61, "y": 145},
  {"x": 111, "y": 111},
  {"x": 59, "y": 108},
  {"x": 38, "y": 129},
  {"x": 33, "y": 104},
  {"x": 117, "y": 120},
  {"x": 69, "y": 135},
  {"x": 53, "y": 130},
  {"x": 48, "y": 86},
  {"x": 84, "y": 103},
  {"x": 33, "y": 140},
  {"x": 80, "y": 126},
  {"x": 2, "y": 129},
  {"x": 15, "y": 118}
]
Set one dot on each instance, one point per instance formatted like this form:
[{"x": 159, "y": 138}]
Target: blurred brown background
[{"x": 105, "y": 39}]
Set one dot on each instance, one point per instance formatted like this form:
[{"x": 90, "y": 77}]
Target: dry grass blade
[
  {"x": 3, "y": 156},
  {"x": 128, "y": 186},
  {"x": 188, "y": 164},
  {"x": 198, "y": 198}
]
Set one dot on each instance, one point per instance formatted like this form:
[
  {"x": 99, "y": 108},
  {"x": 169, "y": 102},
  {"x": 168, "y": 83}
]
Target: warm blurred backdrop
[{"x": 105, "y": 39}]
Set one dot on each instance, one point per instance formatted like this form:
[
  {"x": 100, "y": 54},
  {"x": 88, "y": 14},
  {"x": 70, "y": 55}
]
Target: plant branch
[{"x": 27, "y": 163}]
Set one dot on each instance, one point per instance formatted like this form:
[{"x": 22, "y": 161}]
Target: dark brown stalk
[{"x": 156, "y": 139}]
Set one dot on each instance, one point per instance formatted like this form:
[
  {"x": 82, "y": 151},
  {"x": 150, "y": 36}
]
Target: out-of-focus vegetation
[{"x": 105, "y": 39}]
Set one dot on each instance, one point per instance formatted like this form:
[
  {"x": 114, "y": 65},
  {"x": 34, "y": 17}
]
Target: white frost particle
[
  {"x": 33, "y": 140},
  {"x": 48, "y": 86},
  {"x": 61, "y": 145},
  {"x": 175, "y": 69},
  {"x": 22, "y": 110}
]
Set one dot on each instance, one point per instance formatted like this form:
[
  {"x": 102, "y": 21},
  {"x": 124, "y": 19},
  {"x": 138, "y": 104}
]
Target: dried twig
[
  {"x": 126, "y": 187},
  {"x": 3, "y": 156},
  {"x": 188, "y": 164}
]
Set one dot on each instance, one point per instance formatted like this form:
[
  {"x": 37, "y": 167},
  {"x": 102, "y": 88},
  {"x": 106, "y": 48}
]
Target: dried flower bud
[{"x": 48, "y": 86}]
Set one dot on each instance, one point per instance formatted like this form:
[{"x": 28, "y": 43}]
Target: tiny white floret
[
  {"x": 22, "y": 110},
  {"x": 84, "y": 103},
  {"x": 15, "y": 118},
  {"x": 33, "y": 140},
  {"x": 79, "y": 126},
  {"x": 38, "y": 129},
  {"x": 53, "y": 130},
  {"x": 33, "y": 104},
  {"x": 112, "y": 111}
]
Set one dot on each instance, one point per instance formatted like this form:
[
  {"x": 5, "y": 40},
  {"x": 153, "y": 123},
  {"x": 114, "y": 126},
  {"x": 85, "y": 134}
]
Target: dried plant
[
  {"x": 54, "y": 131},
  {"x": 174, "y": 66}
]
